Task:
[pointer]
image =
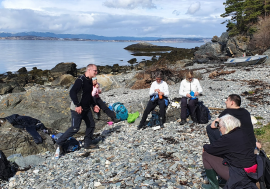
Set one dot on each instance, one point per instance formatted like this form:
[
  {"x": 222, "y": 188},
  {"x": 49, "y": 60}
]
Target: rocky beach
[
  {"x": 127, "y": 157},
  {"x": 163, "y": 158}
]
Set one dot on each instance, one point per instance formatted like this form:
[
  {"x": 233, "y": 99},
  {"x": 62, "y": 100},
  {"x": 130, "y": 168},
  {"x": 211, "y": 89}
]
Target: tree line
[{"x": 243, "y": 14}]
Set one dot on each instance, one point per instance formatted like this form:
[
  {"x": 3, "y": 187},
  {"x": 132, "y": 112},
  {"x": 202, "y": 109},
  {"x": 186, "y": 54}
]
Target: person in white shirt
[
  {"x": 190, "y": 88},
  {"x": 159, "y": 93}
]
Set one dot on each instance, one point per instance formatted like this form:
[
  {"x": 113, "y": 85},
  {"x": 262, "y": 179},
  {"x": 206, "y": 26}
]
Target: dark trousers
[
  {"x": 32, "y": 130},
  {"x": 75, "y": 127},
  {"x": 214, "y": 162},
  {"x": 213, "y": 134},
  {"x": 151, "y": 106},
  {"x": 191, "y": 105},
  {"x": 105, "y": 109}
]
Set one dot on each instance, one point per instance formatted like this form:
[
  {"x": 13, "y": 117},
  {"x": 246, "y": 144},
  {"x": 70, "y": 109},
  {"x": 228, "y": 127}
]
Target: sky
[{"x": 138, "y": 18}]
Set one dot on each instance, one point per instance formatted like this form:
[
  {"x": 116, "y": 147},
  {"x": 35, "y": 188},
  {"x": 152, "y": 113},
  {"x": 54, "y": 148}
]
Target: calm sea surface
[{"x": 15, "y": 54}]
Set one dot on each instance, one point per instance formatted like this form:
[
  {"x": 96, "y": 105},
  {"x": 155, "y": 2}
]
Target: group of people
[
  {"x": 190, "y": 89},
  {"x": 230, "y": 154}
]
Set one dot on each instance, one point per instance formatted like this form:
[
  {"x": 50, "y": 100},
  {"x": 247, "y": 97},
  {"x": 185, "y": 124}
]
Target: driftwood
[{"x": 215, "y": 74}]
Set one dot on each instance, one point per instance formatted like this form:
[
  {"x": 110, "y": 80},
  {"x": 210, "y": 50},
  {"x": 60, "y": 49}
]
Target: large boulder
[
  {"x": 64, "y": 80},
  {"x": 107, "y": 82},
  {"x": 15, "y": 140},
  {"x": 64, "y": 68},
  {"x": 5, "y": 88},
  {"x": 50, "y": 106}
]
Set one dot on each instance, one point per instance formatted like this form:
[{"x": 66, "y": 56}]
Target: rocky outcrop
[
  {"x": 64, "y": 68},
  {"x": 221, "y": 48},
  {"x": 49, "y": 105},
  {"x": 64, "y": 80},
  {"x": 144, "y": 46},
  {"x": 15, "y": 140}
]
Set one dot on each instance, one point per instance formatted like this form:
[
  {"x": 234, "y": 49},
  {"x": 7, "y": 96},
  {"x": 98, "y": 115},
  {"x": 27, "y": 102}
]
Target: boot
[
  {"x": 183, "y": 121},
  {"x": 161, "y": 123},
  {"x": 212, "y": 177},
  {"x": 115, "y": 120},
  {"x": 140, "y": 126}
]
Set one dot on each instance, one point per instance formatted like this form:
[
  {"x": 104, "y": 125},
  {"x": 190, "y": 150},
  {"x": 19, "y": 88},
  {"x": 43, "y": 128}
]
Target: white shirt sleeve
[
  {"x": 181, "y": 89},
  {"x": 152, "y": 89}
]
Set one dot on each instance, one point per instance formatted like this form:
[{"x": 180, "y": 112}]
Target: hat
[{"x": 94, "y": 78}]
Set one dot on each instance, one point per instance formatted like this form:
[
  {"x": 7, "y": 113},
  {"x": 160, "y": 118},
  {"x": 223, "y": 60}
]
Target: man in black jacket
[
  {"x": 82, "y": 100},
  {"x": 233, "y": 104}
]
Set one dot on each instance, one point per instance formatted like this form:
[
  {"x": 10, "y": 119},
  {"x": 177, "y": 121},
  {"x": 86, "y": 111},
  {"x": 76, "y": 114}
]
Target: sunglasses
[{"x": 216, "y": 124}]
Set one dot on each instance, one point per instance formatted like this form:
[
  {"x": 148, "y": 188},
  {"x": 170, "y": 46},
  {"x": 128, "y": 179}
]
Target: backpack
[
  {"x": 71, "y": 145},
  {"x": 120, "y": 111},
  {"x": 265, "y": 179},
  {"x": 155, "y": 119},
  {"x": 5, "y": 167},
  {"x": 79, "y": 94},
  {"x": 202, "y": 113}
]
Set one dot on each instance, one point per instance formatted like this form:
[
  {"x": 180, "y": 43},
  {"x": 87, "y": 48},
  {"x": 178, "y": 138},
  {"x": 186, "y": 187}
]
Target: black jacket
[
  {"x": 239, "y": 179},
  {"x": 244, "y": 117},
  {"x": 235, "y": 147},
  {"x": 85, "y": 100},
  {"x": 30, "y": 124}
]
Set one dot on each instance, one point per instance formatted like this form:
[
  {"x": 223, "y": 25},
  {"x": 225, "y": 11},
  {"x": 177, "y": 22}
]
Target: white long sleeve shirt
[
  {"x": 186, "y": 87},
  {"x": 162, "y": 86}
]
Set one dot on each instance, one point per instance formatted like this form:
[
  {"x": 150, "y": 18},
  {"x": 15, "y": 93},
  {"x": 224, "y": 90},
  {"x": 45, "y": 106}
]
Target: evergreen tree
[
  {"x": 243, "y": 13},
  {"x": 234, "y": 9}
]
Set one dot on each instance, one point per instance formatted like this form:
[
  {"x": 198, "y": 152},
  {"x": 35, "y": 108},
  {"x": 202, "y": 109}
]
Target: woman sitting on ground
[
  {"x": 190, "y": 89},
  {"x": 231, "y": 157},
  {"x": 95, "y": 93},
  {"x": 159, "y": 93}
]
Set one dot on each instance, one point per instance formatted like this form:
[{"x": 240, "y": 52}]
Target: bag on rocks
[
  {"x": 265, "y": 179},
  {"x": 71, "y": 145},
  {"x": 202, "y": 113},
  {"x": 155, "y": 119},
  {"x": 5, "y": 167},
  {"x": 120, "y": 111},
  {"x": 132, "y": 117}
]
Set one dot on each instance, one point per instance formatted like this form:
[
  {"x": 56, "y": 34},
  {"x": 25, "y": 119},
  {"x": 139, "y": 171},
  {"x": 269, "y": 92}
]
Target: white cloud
[
  {"x": 126, "y": 18},
  {"x": 194, "y": 8},
  {"x": 129, "y": 4}
]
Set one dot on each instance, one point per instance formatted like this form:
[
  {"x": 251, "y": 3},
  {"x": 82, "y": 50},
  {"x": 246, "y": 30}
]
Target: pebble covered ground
[{"x": 162, "y": 158}]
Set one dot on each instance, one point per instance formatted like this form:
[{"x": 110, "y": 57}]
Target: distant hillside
[{"x": 96, "y": 37}]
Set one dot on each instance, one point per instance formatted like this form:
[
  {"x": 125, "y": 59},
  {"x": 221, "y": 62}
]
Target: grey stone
[{"x": 25, "y": 162}]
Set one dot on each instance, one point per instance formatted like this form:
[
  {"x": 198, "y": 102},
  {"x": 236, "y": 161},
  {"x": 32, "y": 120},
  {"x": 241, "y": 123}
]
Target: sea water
[{"x": 45, "y": 54}]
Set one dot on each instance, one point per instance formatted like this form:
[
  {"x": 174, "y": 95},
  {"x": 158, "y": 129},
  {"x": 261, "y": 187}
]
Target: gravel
[{"x": 128, "y": 158}]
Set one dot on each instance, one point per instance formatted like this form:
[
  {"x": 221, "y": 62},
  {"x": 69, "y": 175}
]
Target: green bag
[{"x": 132, "y": 117}]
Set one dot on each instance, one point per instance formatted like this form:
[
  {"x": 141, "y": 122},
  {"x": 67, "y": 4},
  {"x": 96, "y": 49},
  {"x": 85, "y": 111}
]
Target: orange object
[{"x": 160, "y": 96}]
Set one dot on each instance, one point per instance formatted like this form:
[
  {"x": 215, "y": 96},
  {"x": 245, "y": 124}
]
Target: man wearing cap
[
  {"x": 95, "y": 93},
  {"x": 82, "y": 100}
]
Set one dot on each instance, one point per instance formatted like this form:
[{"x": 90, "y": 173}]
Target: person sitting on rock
[
  {"x": 159, "y": 93},
  {"x": 231, "y": 157},
  {"x": 95, "y": 93},
  {"x": 233, "y": 104},
  {"x": 190, "y": 89}
]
